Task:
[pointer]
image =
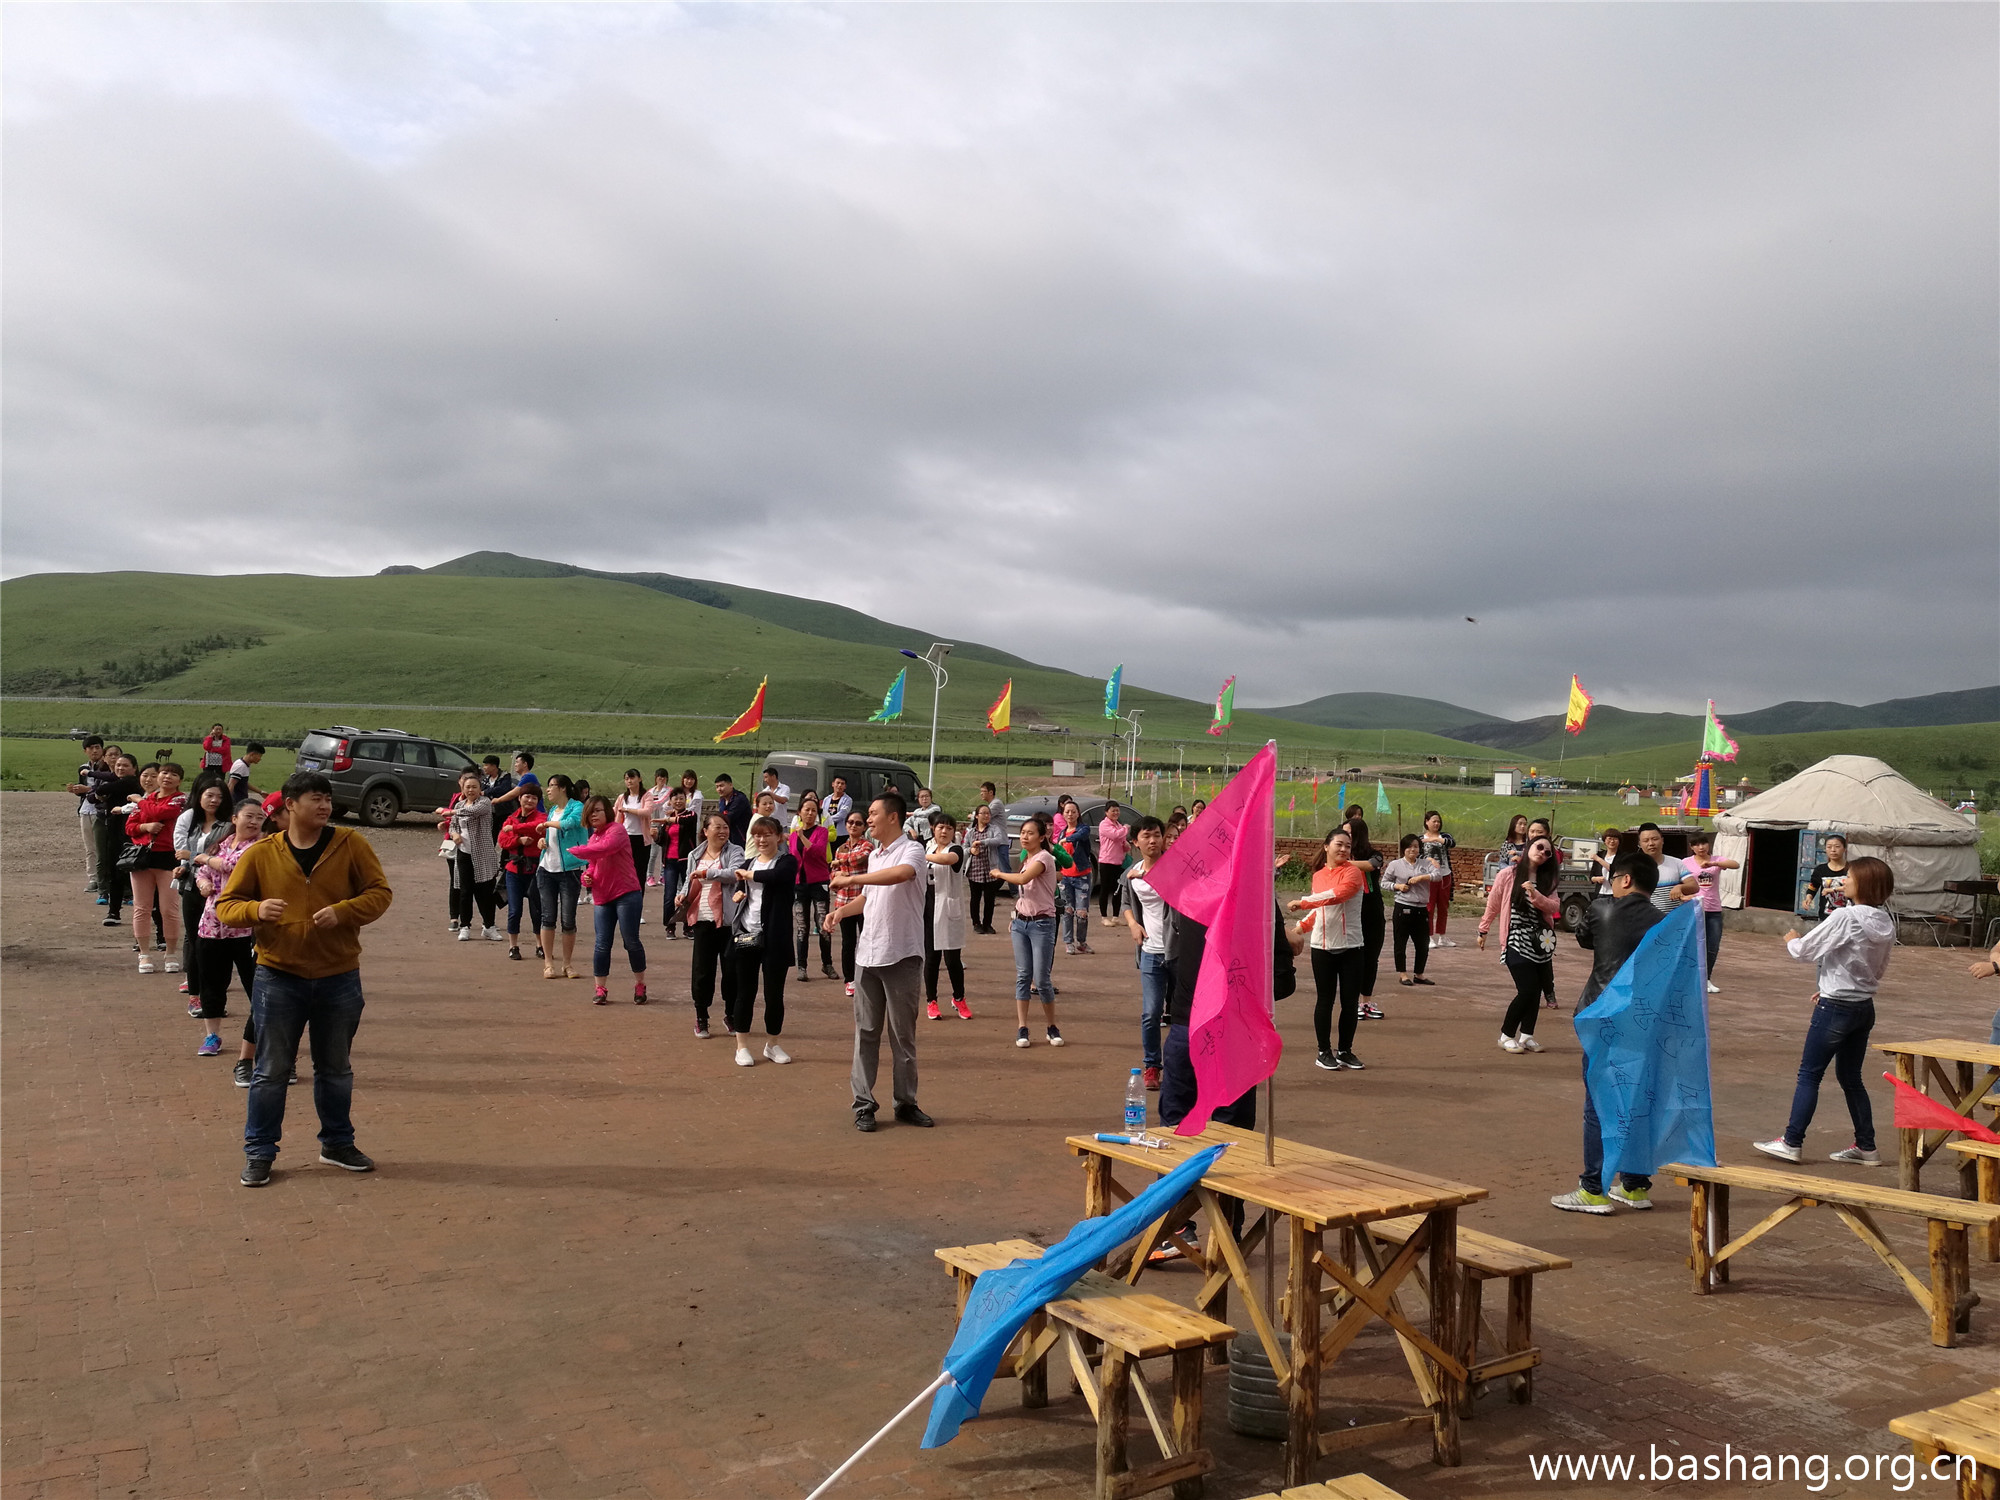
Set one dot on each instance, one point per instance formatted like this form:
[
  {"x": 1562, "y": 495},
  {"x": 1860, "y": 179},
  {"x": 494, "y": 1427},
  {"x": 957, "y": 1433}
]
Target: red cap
[{"x": 274, "y": 803}]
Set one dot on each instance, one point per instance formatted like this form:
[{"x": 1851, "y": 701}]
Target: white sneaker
[
  {"x": 1508, "y": 1044},
  {"x": 465, "y": 934},
  {"x": 1777, "y": 1148},
  {"x": 145, "y": 964},
  {"x": 1437, "y": 942},
  {"x": 495, "y": 935},
  {"x": 744, "y": 1059},
  {"x": 1529, "y": 1044},
  {"x": 776, "y": 1053},
  {"x": 454, "y": 924},
  {"x": 1857, "y": 1157},
  {"x": 1447, "y": 943},
  {"x": 1714, "y": 988},
  {"x": 173, "y": 966}
]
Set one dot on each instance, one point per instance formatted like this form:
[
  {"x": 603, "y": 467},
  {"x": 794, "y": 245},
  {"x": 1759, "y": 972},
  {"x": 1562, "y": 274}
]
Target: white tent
[{"x": 1879, "y": 813}]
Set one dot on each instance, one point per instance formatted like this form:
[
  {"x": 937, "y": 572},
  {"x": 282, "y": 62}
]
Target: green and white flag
[
  {"x": 892, "y": 701},
  {"x": 1113, "y": 686}
]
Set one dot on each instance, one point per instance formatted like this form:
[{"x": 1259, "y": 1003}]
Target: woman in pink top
[
  {"x": 613, "y": 878},
  {"x": 1113, "y": 840},
  {"x": 1034, "y": 930},
  {"x": 1708, "y": 870},
  {"x": 807, "y": 844}
]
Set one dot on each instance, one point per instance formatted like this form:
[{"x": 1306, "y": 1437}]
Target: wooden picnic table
[
  {"x": 1975, "y": 1066},
  {"x": 1963, "y": 1439},
  {"x": 1304, "y": 1194}
]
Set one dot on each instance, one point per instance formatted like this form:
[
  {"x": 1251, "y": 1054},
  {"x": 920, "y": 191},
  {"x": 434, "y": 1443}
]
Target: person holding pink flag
[{"x": 1230, "y": 955}]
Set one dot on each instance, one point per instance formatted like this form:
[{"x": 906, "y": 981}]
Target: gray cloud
[{"x": 1259, "y": 340}]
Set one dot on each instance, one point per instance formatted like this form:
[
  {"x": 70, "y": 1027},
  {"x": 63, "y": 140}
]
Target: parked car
[
  {"x": 813, "y": 771},
  {"x": 1092, "y": 806},
  {"x": 378, "y": 773}
]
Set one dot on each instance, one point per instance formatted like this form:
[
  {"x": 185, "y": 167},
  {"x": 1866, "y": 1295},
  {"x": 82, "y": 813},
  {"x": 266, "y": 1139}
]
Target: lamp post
[{"x": 934, "y": 659}]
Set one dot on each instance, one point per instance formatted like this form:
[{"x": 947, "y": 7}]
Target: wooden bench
[
  {"x": 1483, "y": 1258},
  {"x": 1986, "y": 1157},
  {"x": 1969, "y": 1430},
  {"x": 1353, "y": 1487},
  {"x": 1122, "y": 1327},
  {"x": 1948, "y": 1300}
]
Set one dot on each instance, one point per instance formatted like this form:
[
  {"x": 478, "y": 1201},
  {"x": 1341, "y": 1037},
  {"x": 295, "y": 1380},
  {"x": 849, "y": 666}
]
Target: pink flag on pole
[{"x": 1219, "y": 873}]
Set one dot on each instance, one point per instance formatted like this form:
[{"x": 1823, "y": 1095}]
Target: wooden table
[
  {"x": 1307, "y": 1192},
  {"x": 1975, "y": 1066},
  {"x": 1968, "y": 1429}
]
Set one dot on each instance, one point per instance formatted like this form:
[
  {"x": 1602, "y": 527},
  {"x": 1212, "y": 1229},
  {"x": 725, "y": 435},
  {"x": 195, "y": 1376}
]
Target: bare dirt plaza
[{"x": 598, "y": 1260}]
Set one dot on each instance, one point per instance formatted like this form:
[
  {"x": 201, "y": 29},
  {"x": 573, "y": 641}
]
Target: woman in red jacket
[
  {"x": 151, "y": 826},
  {"x": 520, "y": 842}
]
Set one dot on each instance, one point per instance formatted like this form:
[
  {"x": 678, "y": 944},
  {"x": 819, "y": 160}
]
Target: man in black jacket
[
  {"x": 1612, "y": 927},
  {"x": 1187, "y": 940}
]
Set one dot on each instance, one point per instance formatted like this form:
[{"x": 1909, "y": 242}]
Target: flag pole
[{"x": 944, "y": 1377}]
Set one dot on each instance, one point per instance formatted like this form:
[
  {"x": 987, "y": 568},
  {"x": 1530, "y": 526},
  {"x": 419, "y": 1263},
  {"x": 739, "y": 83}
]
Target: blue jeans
[
  {"x": 283, "y": 1007},
  {"x": 1838, "y": 1035},
  {"x": 1034, "y": 940},
  {"x": 622, "y": 917},
  {"x": 560, "y": 893},
  {"x": 1076, "y": 908},
  {"x": 1156, "y": 983},
  {"x": 1592, "y": 1180}
]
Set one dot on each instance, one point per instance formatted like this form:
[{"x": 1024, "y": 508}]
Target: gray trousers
[{"x": 888, "y": 994}]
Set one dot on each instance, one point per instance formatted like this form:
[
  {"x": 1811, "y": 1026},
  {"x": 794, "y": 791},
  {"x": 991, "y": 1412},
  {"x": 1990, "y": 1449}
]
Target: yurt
[{"x": 1779, "y": 835}]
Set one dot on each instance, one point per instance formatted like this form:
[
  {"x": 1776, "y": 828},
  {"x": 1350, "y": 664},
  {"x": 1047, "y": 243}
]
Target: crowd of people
[{"x": 210, "y": 868}]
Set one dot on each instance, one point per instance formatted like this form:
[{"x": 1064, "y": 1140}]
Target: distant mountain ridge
[
  {"x": 1612, "y": 728},
  {"x": 808, "y": 616}
]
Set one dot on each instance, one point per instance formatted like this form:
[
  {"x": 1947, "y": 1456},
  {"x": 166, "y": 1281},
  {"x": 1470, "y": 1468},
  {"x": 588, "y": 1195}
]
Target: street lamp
[{"x": 934, "y": 659}]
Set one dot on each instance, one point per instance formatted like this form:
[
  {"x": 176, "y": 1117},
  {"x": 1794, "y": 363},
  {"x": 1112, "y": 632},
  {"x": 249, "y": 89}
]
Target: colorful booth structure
[{"x": 1779, "y": 835}]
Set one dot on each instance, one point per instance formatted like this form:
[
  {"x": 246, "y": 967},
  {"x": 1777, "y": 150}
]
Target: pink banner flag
[{"x": 1227, "y": 873}]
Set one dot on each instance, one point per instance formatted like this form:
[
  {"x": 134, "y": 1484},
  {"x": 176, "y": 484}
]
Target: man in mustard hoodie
[{"x": 307, "y": 892}]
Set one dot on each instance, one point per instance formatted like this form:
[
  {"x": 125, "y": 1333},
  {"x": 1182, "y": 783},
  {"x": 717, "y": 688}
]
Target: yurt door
[{"x": 1773, "y": 876}]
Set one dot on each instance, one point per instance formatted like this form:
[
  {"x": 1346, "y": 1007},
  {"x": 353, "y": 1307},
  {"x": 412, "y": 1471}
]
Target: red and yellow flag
[
  {"x": 1579, "y": 706},
  {"x": 750, "y": 720},
  {"x": 1000, "y": 717}
]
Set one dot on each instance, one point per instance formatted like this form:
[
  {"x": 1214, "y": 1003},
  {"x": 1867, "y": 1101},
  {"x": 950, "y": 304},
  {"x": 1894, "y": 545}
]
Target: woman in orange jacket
[{"x": 1334, "y": 932}]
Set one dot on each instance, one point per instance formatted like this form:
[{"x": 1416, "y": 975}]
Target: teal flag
[
  {"x": 1382, "y": 806},
  {"x": 1113, "y": 686},
  {"x": 892, "y": 701}
]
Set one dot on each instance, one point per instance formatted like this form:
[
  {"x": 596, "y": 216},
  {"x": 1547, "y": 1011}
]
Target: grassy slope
[{"x": 556, "y": 643}]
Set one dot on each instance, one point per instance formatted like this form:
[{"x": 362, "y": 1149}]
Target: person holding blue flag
[{"x": 1612, "y": 928}]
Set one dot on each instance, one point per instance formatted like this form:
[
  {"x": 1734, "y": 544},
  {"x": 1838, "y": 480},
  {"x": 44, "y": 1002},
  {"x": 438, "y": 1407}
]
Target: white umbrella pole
[{"x": 944, "y": 1377}]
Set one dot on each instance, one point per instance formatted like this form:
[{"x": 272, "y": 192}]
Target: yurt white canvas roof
[{"x": 1879, "y": 813}]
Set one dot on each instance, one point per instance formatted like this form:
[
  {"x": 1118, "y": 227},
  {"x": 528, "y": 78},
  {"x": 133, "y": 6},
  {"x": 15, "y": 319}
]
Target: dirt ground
[{"x": 599, "y": 1260}]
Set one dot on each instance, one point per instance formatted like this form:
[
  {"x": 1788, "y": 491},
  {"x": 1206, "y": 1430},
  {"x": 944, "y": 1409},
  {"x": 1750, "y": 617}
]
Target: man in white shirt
[
  {"x": 782, "y": 792},
  {"x": 889, "y": 962},
  {"x": 1146, "y": 917}
]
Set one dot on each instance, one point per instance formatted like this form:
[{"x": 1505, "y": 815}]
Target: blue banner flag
[
  {"x": 1002, "y": 1301},
  {"x": 1645, "y": 1052},
  {"x": 892, "y": 701},
  {"x": 1113, "y": 686}
]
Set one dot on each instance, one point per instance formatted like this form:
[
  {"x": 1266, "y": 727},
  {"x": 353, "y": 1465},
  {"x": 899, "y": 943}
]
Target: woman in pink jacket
[
  {"x": 1526, "y": 892},
  {"x": 613, "y": 879}
]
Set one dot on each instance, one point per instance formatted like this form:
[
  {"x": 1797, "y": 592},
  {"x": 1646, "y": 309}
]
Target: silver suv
[{"x": 378, "y": 773}]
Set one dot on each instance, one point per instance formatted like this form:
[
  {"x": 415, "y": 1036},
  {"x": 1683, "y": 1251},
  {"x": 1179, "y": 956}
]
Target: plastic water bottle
[{"x": 1135, "y": 1104}]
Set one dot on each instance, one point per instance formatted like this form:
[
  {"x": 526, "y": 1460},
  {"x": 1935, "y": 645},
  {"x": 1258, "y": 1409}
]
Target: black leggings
[
  {"x": 1337, "y": 974},
  {"x": 954, "y": 964},
  {"x": 768, "y": 960},
  {"x": 711, "y": 944},
  {"x": 468, "y": 892},
  {"x": 850, "y": 934},
  {"x": 1531, "y": 979},
  {"x": 984, "y": 894},
  {"x": 218, "y": 957},
  {"x": 642, "y": 855},
  {"x": 1413, "y": 925},
  {"x": 1374, "y": 931},
  {"x": 1110, "y": 902},
  {"x": 193, "y": 903}
]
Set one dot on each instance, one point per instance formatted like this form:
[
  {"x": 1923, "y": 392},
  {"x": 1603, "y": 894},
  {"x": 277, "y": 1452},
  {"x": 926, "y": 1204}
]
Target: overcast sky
[{"x": 1267, "y": 340}]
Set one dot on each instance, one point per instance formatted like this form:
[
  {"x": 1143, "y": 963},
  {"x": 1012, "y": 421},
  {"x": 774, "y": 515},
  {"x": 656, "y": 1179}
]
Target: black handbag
[{"x": 133, "y": 857}]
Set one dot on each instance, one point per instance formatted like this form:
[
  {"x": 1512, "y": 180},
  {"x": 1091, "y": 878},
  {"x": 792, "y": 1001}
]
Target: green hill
[
  {"x": 1383, "y": 711},
  {"x": 569, "y": 643}
]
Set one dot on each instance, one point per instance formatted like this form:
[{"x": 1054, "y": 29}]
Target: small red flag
[{"x": 1918, "y": 1111}]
